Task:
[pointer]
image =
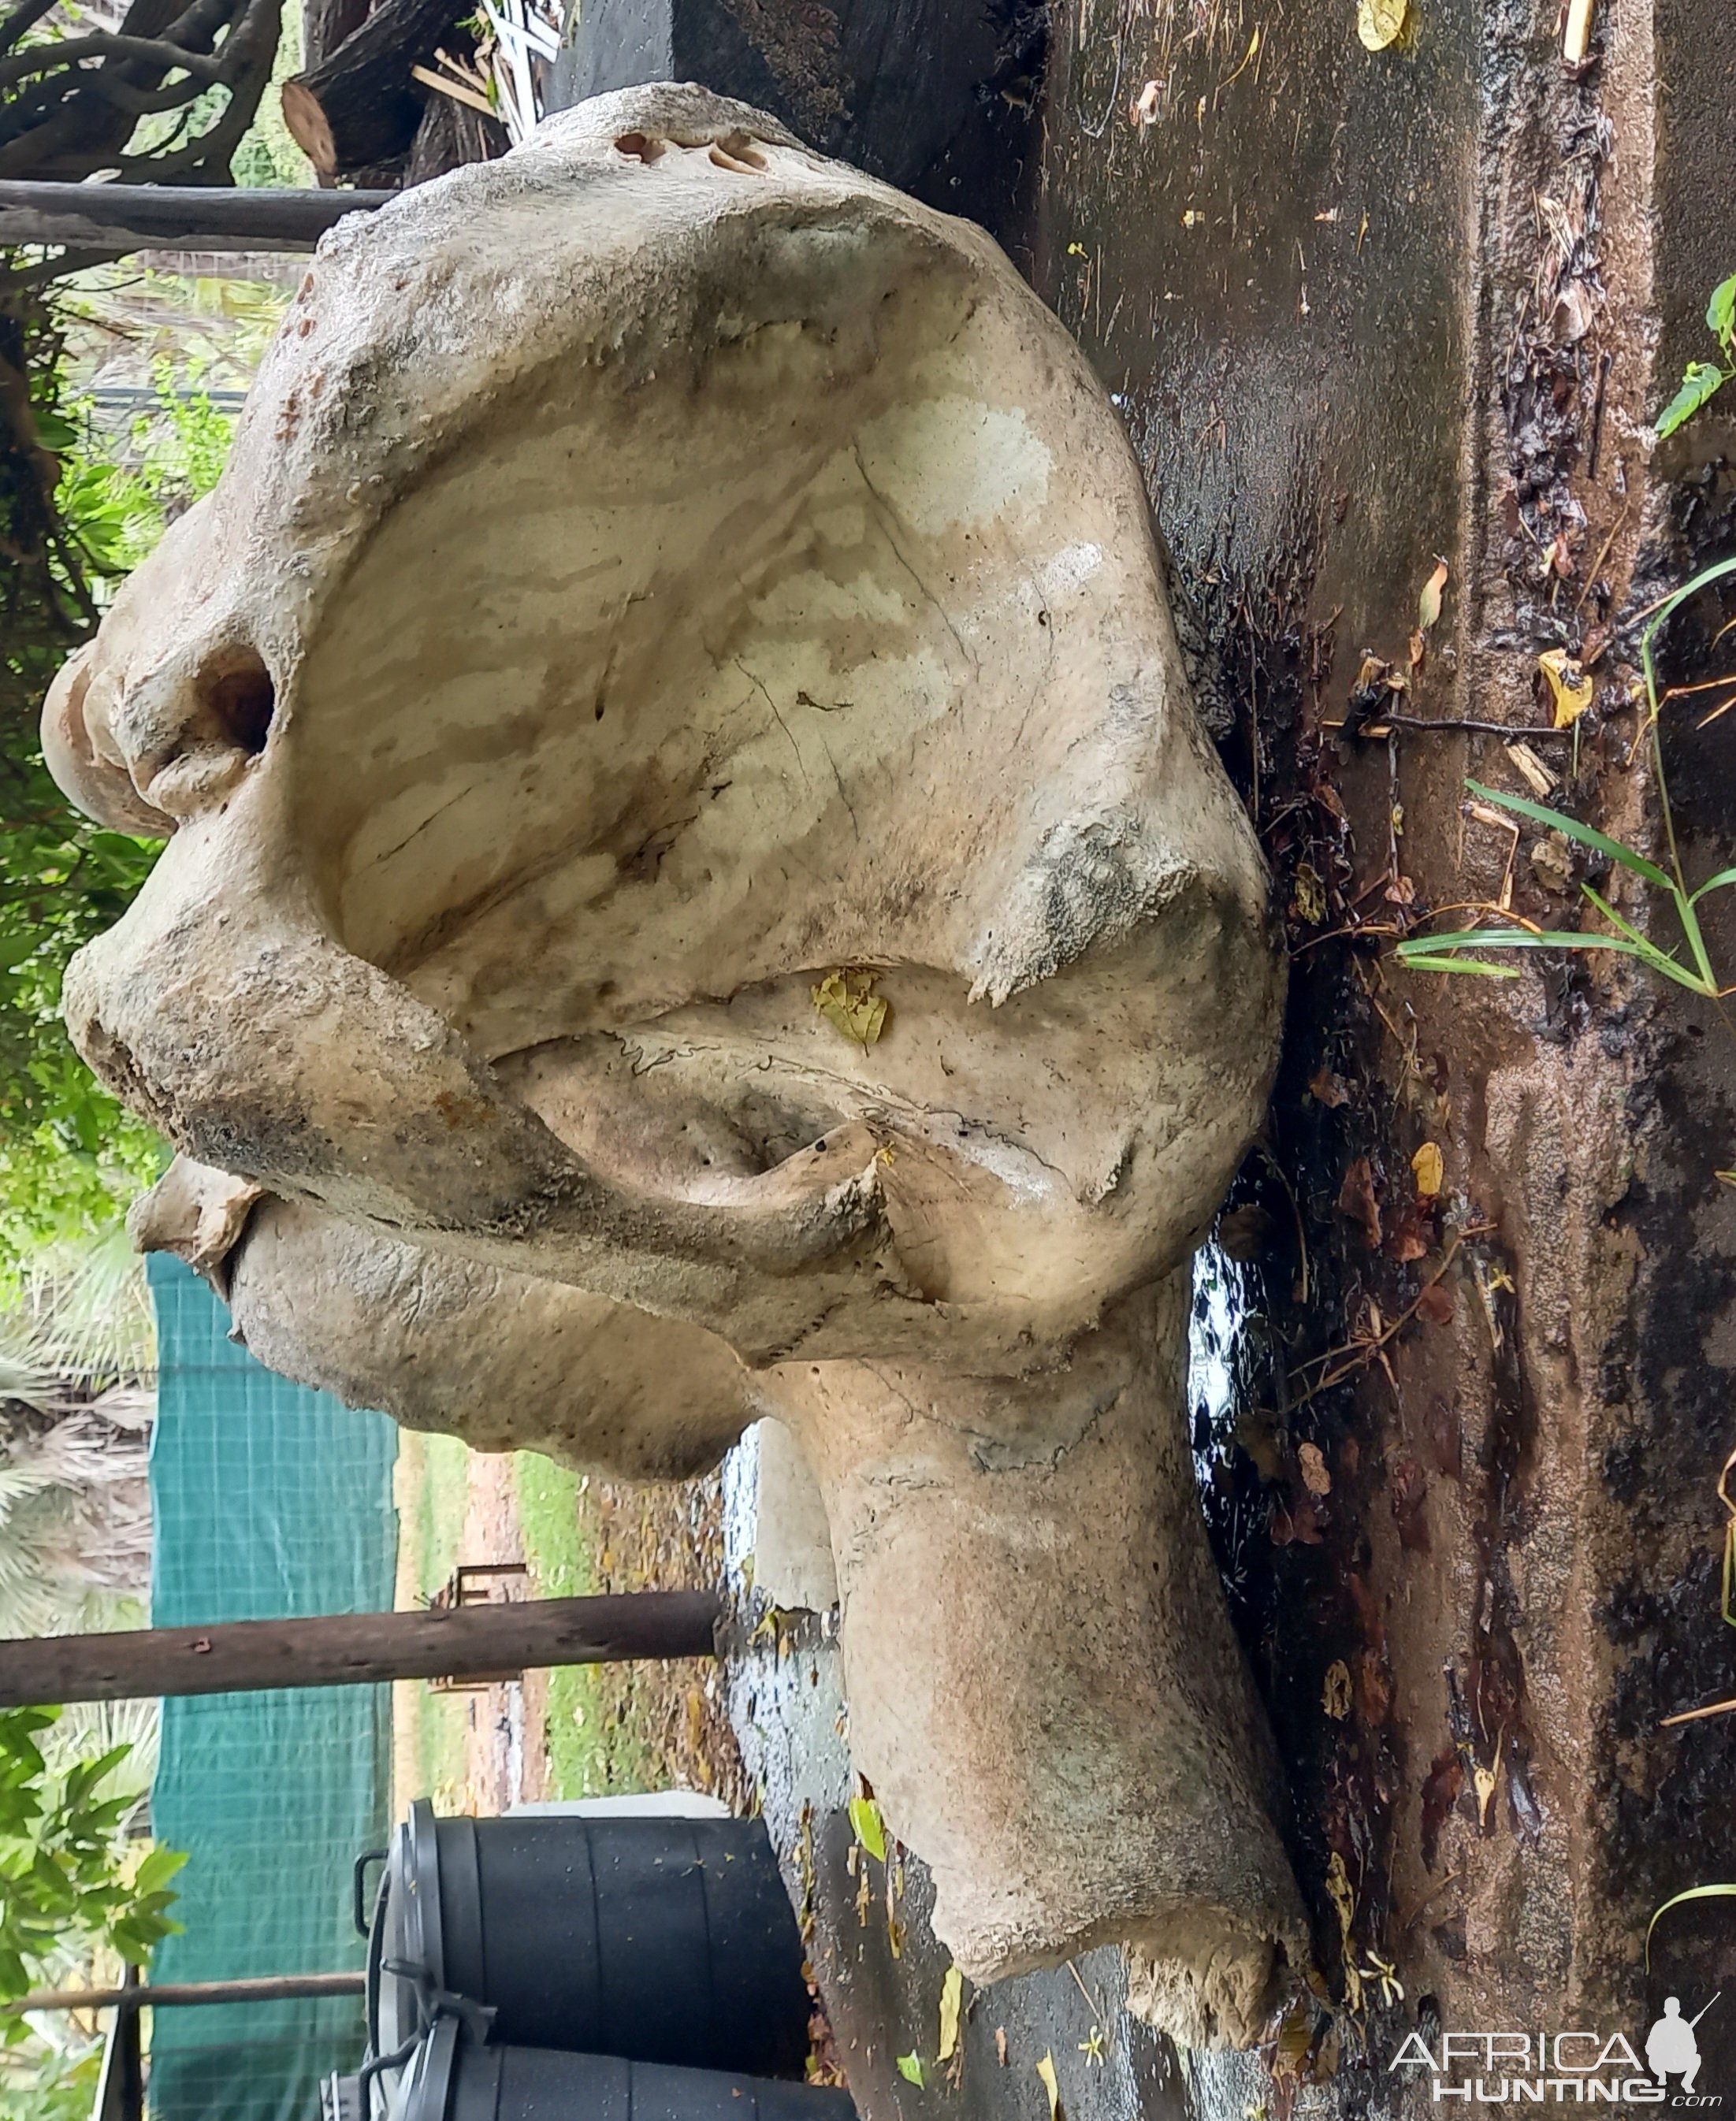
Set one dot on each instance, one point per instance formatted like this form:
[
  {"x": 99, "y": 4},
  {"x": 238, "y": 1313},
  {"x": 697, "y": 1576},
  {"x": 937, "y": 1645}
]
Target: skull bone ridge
[{"x": 656, "y": 572}]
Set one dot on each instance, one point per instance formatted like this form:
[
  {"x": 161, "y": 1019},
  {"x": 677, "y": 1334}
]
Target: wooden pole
[
  {"x": 136, "y": 1996},
  {"x": 170, "y": 216},
  {"x": 342, "y": 1649}
]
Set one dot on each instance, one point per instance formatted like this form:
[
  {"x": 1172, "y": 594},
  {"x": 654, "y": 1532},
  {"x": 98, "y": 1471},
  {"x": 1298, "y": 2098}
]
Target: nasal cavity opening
[
  {"x": 236, "y": 692},
  {"x": 640, "y": 147}
]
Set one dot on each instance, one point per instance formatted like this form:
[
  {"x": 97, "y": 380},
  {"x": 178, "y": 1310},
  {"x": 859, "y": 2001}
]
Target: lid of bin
[
  {"x": 425, "y": 2090},
  {"x": 407, "y": 1930}
]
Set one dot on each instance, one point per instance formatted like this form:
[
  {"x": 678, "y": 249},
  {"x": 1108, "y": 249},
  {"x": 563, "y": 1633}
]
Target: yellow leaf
[
  {"x": 1344, "y": 1902},
  {"x": 1428, "y": 1169},
  {"x": 1428, "y": 604},
  {"x": 1379, "y": 22},
  {"x": 1485, "y": 1781},
  {"x": 952, "y": 1994},
  {"x": 848, "y": 1003},
  {"x": 1335, "y": 1695},
  {"x": 1571, "y": 688},
  {"x": 869, "y": 1828},
  {"x": 1046, "y": 2071}
]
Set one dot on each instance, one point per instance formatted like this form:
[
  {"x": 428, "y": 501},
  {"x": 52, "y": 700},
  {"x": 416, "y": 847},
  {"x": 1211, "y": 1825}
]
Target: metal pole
[
  {"x": 171, "y": 216},
  {"x": 138, "y": 1996}
]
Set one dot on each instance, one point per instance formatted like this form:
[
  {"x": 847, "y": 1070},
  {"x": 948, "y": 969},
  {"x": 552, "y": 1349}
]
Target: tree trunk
[
  {"x": 358, "y": 106},
  {"x": 344, "y": 1649},
  {"x": 324, "y": 26},
  {"x": 1364, "y": 308},
  {"x": 449, "y": 135}
]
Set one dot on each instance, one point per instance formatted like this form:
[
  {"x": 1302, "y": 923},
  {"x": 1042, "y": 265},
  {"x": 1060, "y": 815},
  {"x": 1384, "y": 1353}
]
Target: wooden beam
[
  {"x": 167, "y": 217},
  {"x": 341, "y": 1649},
  {"x": 136, "y": 1996}
]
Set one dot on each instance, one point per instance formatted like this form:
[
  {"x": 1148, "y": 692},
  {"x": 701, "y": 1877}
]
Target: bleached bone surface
[{"x": 656, "y": 571}]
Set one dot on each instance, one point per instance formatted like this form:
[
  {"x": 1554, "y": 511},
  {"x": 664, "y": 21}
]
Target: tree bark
[
  {"x": 162, "y": 217},
  {"x": 356, "y": 1648},
  {"x": 451, "y": 134},
  {"x": 358, "y": 106}
]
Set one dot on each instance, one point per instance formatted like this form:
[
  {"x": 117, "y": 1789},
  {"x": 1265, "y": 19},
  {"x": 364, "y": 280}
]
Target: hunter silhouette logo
[
  {"x": 1582, "y": 2068},
  {"x": 1671, "y": 2049}
]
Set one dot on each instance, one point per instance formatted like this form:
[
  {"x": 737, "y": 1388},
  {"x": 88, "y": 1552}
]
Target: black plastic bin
[
  {"x": 661, "y": 1940},
  {"x": 450, "y": 2078}
]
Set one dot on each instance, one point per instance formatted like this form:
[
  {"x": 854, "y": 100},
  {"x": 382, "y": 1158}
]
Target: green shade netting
[{"x": 269, "y": 1500}]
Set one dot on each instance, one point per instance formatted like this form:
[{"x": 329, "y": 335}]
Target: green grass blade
[
  {"x": 1677, "y": 1900},
  {"x": 1703, "y": 579},
  {"x": 1526, "y": 938},
  {"x": 1616, "y": 920},
  {"x": 1588, "y": 835},
  {"x": 1662, "y": 962},
  {"x": 1722, "y": 881},
  {"x": 1418, "y": 963}
]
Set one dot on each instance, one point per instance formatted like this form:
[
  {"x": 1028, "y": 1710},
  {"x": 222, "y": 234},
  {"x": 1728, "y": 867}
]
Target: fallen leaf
[
  {"x": 1428, "y": 604},
  {"x": 1295, "y": 2038},
  {"x": 1373, "y": 1690},
  {"x": 1356, "y": 1200},
  {"x": 910, "y": 2068},
  {"x": 1327, "y": 1087},
  {"x": 1335, "y": 1695},
  {"x": 1143, "y": 110},
  {"x": 1344, "y": 1903},
  {"x": 1307, "y": 895},
  {"x": 1552, "y": 859},
  {"x": 1484, "y": 1781},
  {"x": 869, "y": 1827},
  {"x": 952, "y": 1995},
  {"x": 848, "y": 1003},
  {"x": 1435, "y": 1303},
  {"x": 1409, "y": 1237},
  {"x": 1569, "y": 686},
  {"x": 1315, "y": 1478},
  {"x": 1046, "y": 2071},
  {"x": 1244, "y": 1233},
  {"x": 1428, "y": 1168},
  {"x": 1000, "y": 2045},
  {"x": 1379, "y": 22}
]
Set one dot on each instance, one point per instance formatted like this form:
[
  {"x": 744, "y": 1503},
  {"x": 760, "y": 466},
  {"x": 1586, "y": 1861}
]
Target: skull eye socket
[{"x": 239, "y": 696}]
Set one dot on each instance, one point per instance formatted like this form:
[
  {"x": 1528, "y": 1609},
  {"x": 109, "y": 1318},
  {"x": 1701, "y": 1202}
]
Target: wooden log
[
  {"x": 137, "y": 1996},
  {"x": 169, "y": 217},
  {"x": 341, "y": 1649},
  {"x": 324, "y": 26},
  {"x": 451, "y": 135},
  {"x": 358, "y": 107}
]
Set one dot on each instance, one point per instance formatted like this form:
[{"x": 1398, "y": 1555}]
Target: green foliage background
[{"x": 76, "y": 515}]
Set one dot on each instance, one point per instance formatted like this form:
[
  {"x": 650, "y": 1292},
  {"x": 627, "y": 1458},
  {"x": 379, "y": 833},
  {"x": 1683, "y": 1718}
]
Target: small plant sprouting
[
  {"x": 1701, "y": 379},
  {"x": 1693, "y": 970}
]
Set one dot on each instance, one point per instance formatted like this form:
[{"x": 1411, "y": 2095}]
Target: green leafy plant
[
  {"x": 1701, "y": 379},
  {"x": 1686, "y": 963},
  {"x": 68, "y": 1876}
]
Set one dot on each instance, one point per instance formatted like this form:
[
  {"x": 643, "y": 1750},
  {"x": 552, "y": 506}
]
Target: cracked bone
[{"x": 656, "y": 572}]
